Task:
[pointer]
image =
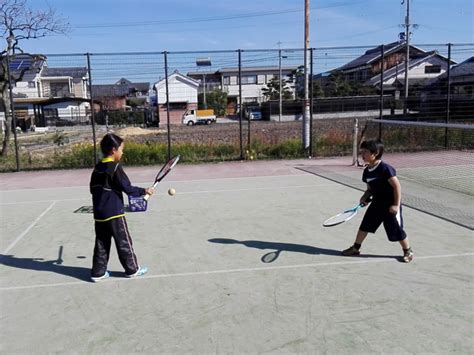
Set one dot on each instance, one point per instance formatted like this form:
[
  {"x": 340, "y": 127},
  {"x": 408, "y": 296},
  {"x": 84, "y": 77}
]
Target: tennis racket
[
  {"x": 343, "y": 216},
  {"x": 163, "y": 172}
]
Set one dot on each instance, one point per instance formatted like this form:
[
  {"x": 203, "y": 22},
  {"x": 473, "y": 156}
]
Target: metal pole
[
  {"x": 12, "y": 104},
  {"x": 311, "y": 105},
  {"x": 92, "y": 106},
  {"x": 305, "y": 102},
  {"x": 204, "y": 90},
  {"x": 280, "y": 89},
  {"x": 306, "y": 81},
  {"x": 382, "y": 71},
  {"x": 407, "y": 59},
  {"x": 448, "y": 95},
  {"x": 355, "y": 133},
  {"x": 167, "y": 105},
  {"x": 240, "y": 104}
]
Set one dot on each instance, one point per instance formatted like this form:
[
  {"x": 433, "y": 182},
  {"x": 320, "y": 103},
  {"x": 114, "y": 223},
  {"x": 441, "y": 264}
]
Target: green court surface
[{"x": 210, "y": 288}]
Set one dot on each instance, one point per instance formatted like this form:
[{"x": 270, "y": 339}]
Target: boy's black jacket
[{"x": 108, "y": 182}]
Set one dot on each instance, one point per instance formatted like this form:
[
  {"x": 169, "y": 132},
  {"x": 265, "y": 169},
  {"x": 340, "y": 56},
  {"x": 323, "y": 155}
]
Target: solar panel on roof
[{"x": 21, "y": 63}]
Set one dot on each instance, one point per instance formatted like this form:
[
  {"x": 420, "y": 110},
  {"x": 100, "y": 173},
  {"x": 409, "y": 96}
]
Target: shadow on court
[
  {"x": 277, "y": 248},
  {"x": 39, "y": 264}
]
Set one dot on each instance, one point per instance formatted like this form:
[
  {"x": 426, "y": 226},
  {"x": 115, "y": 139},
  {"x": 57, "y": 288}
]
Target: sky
[
  {"x": 127, "y": 37},
  {"x": 105, "y": 26}
]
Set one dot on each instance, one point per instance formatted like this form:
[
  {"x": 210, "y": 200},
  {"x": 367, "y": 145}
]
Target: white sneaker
[
  {"x": 100, "y": 278},
  {"x": 142, "y": 270}
]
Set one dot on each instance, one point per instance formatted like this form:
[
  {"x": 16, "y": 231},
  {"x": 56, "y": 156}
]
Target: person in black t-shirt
[{"x": 384, "y": 192}]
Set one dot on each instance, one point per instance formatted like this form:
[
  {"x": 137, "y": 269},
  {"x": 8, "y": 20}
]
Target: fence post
[
  {"x": 167, "y": 104},
  {"x": 355, "y": 133},
  {"x": 240, "y": 104},
  {"x": 311, "y": 93},
  {"x": 92, "y": 106},
  {"x": 448, "y": 95},
  {"x": 382, "y": 71}
]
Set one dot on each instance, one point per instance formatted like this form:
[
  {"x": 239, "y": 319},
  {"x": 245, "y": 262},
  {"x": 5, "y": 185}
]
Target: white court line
[
  {"x": 230, "y": 271},
  {"x": 434, "y": 178},
  {"x": 42, "y": 201},
  {"x": 167, "y": 181},
  {"x": 254, "y": 189},
  {"x": 28, "y": 229},
  {"x": 189, "y": 192}
]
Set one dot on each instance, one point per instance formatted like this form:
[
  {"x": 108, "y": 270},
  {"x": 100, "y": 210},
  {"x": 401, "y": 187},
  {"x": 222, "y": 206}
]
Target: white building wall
[
  {"x": 21, "y": 87},
  {"x": 179, "y": 91},
  {"x": 418, "y": 71}
]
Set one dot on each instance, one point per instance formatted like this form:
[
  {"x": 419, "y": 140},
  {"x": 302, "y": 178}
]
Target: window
[
  {"x": 432, "y": 69},
  {"x": 226, "y": 80},
  {"x": 31, "y": 84},
  {"x": 50, "y": 112},
  {"x": 249, "y": 79},
  {"x": 59, "y": 89}
]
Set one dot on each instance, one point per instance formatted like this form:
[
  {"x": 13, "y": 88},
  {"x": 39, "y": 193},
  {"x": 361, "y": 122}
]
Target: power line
[{"x": 207, "y": 19}]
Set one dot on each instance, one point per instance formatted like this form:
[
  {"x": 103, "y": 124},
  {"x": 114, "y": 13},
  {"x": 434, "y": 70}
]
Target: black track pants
[{"x": 104, "y": 232}]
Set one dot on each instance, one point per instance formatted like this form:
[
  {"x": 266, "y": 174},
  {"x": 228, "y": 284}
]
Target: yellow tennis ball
[
  {"x": 171, "y": 192},
  {"x": 251, "y": 157}
]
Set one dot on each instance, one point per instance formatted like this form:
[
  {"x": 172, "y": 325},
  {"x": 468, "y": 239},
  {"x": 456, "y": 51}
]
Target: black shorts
[{"x": 378, "y": 213}]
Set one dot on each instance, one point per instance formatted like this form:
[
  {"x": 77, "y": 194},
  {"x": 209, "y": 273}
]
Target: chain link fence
[{"x": 256, "y": 98}]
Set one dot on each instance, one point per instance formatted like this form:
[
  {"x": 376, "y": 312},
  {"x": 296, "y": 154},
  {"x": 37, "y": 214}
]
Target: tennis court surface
[{"x": 238, "y": 263}]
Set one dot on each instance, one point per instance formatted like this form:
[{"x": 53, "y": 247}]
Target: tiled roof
[
  {"x": 110, "y": 90},
  {"x": 258, "y": 69},
  {"x": 370, "y": 55},
  {"x": 463, "y": 68}
]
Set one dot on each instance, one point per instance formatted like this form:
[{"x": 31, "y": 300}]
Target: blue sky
[{"x": 100, "y": 26}]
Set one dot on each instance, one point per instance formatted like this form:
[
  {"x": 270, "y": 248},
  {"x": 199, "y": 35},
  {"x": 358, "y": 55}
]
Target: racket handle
[{"x": 146, "y": 197}]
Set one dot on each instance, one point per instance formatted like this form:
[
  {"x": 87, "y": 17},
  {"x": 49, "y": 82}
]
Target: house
[
  {"x": 47, "y": 95},
  {"x": 65, "y": 94},
  {"x": 254, "y": 79},
  {"x": 25, "y": 67},
  {"x": 423, "y": 68},
  {"x": 366, "y": 69},
  {"x": 433, "y": 96},
  {"x": 120, "y": 95},
  {"x": 461, "y": 79},
  {"x": 182, "y": 93}
]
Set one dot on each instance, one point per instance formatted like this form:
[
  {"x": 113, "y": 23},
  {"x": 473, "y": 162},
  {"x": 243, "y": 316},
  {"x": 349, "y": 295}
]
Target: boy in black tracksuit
[{"x": 108, "y": 181}]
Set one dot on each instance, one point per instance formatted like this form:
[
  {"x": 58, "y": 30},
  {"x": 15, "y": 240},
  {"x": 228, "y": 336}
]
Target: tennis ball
[
  {"x": 251, "y": 157},
  {"x": 171, "y": 192}
]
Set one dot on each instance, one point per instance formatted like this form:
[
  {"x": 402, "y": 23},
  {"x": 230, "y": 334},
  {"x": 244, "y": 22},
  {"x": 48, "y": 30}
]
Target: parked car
[{"x": 253, "y": 113}]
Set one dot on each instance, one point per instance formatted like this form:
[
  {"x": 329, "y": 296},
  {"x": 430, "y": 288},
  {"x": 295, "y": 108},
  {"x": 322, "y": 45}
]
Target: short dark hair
[
  {"x": 374, "y": 146},
  {"x": 109, "y": 142}
]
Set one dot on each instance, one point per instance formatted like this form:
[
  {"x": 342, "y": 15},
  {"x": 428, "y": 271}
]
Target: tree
[
  {"x": 297, "y": 79},
  {"x": 18, "y": 22},
  {"x": 272, "y": 91},
  {"x": 217, "y": 100}
]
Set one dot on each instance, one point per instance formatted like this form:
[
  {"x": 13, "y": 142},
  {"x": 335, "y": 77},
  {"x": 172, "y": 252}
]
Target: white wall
[
  {"x": 21, "y": 87},
  {"x": 179, "y": 91},
  {"x": 418, "y": 71}
]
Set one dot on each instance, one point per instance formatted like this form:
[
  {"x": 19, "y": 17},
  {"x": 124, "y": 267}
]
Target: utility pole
[
  {"x": 306, "y": 111},
  {"x": 407, "y": 59},
  {"x": 279, "y": 77}
]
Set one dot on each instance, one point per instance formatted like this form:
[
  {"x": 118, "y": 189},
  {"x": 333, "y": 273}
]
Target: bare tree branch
[{"x": 19, "y": 22}]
